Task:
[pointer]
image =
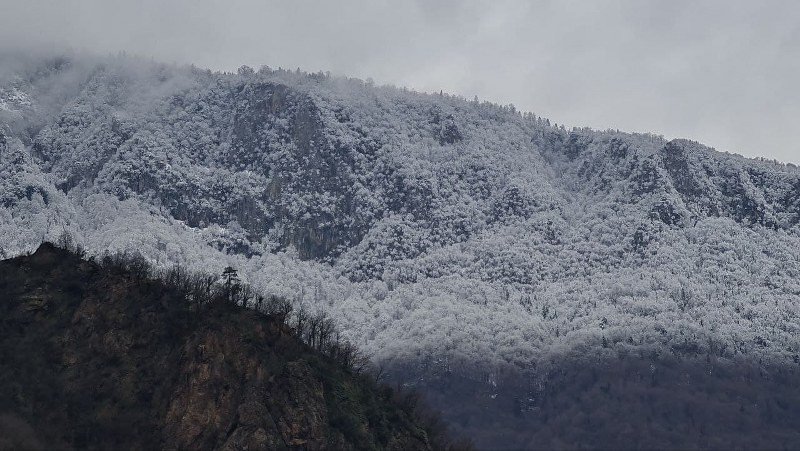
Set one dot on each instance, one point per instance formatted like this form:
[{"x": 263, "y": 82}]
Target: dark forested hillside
[
  {"x": 632, "y": 401},
  {"x": 100, "y": 357},
  {"x": 451, "y": 239}
]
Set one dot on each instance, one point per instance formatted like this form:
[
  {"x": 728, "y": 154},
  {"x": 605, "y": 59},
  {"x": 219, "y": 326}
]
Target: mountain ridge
[
  {"x": 98, "y": 355},
  {"x": 449, "y": 238}
]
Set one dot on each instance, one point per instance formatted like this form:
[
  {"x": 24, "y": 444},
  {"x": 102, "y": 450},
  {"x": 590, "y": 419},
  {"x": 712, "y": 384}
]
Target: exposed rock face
[
  {"x": 696, "y": 182},
  {"x": 449, "y": 237},
  {"x": 93, "y": 359}
]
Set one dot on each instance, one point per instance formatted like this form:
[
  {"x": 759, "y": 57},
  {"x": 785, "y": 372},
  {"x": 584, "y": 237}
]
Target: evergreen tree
[{"x": 232, "y": 283}]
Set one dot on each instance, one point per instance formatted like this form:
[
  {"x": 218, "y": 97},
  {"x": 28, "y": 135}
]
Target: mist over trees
[{"x": 446, "y": 237}]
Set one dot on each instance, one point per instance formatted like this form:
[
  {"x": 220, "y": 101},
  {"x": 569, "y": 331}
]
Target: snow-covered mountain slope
[{"x": 445, "y": 236}]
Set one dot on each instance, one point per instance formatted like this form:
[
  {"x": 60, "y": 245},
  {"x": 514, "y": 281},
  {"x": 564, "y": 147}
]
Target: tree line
[{"x": 316, "y": 329}]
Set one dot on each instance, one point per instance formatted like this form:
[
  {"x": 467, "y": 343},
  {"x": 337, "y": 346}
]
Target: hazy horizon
[{"x": 721, "y": 73}]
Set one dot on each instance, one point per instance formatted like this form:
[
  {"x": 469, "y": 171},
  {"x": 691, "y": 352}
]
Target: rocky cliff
[
  {"x": 97, "y": 358},
  {"x": 455, "y": 241}
]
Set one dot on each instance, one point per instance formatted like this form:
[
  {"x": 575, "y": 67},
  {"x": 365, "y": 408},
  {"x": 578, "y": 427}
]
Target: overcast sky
[{"x": 721, "y": 72}]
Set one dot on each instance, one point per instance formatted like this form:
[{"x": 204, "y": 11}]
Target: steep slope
[
  {"x": 683, "y": 180},
  {"x": 30, "y": 204},
  {"x": 97, "y": 357},
  {"x": 452, "y": 240}
]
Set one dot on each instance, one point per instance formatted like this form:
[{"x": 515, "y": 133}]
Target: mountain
[
  {"x": 96, "y": 356},
  {"x": 475, "y": 252}
]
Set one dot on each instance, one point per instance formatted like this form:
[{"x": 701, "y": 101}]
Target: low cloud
[{"x": 721, "y": 72}]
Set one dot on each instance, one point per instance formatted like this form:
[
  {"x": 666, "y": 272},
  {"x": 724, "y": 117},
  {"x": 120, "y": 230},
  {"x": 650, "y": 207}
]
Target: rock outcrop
[{"x": 94, "y": 358}]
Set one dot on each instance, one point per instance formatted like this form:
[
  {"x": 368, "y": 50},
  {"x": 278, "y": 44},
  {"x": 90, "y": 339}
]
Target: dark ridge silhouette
[{"x": 98, "y": 354}]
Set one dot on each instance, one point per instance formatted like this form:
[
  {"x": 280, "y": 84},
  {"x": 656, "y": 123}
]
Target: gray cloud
[{"x": 721, "y": 72}]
